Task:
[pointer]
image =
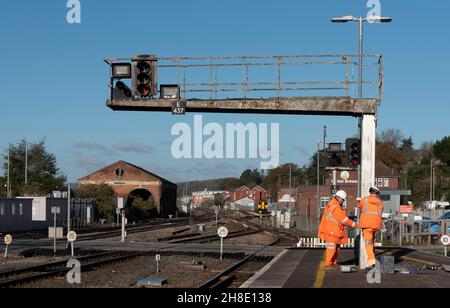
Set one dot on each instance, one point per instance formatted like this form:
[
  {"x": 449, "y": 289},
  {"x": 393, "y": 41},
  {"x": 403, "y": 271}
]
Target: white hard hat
[
  {"x": 374, "y": 188},
  {"x": 341, "y": 194}
]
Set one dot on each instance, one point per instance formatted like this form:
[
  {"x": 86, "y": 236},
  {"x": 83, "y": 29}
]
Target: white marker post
[
  {"x": 55, "y": 210},
  {"x": 445, "y": 240},
  {"x": 8, "y": 241},
  {"x": 122, "y": 211},
  {"x": 222, "y": 232},
  {"x": 72, "y": 237},
  {"x": 157, "y": 259},
  {"x": 273, "y": 214},
  {"x": 216, "y": 211},
  {"x": 119, "y": 208}
]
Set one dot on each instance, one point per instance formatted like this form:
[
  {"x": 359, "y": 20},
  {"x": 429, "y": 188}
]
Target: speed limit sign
[
  {"x": 8, "y": 239},
  {"x": 445, "y": 240},
  {"x": 222, "y": 232},
  {"x": 72, "y": 236}
]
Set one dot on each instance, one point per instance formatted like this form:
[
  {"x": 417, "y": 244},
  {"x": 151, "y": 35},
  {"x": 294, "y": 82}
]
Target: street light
[{"x": 361, "y": 20}]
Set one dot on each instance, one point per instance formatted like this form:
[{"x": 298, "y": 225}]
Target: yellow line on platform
[
  {"x": 419, "y": 261},
  {"x": 320, "y": 278}
]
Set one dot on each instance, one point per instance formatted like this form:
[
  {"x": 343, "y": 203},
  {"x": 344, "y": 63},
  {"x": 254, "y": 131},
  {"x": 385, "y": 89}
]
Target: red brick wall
[
  {"x": 133, "y": 179},
  {"x": 258, "y": 195}
]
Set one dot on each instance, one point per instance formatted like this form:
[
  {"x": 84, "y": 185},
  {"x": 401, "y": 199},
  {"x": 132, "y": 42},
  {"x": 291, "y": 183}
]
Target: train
[
  {"x": 262, "y": 206},
  {"x": 25, "y": 214}
]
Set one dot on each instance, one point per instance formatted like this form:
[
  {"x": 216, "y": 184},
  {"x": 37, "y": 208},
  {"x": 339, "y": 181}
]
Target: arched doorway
[{"x": 140, "y": 205}]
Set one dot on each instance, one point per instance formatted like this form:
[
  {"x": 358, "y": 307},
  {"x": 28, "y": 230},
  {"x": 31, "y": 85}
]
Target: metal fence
[
  {"x": 432, "y": 214},
  {"x": 270, "y": 76},
  {"x": 409, "y": 232}
]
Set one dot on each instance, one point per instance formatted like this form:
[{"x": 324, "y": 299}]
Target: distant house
[
  {"x": 200, "y": 197},
  {"x": 127, "y": 179},
  {"x": 247, "y": 196}
]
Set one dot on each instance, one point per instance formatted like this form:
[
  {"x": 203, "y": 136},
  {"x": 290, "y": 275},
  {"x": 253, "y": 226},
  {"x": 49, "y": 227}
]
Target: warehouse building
[{"x": 130, "y": 180}]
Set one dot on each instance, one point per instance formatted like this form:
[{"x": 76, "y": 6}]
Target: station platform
[{"x": 305, "y": 268}]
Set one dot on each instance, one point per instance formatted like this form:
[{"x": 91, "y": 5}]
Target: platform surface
[{"x": 304, "y": 268}]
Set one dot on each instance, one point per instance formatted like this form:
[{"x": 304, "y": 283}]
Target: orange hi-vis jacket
[
  {"x": 332, "y": 227},
  {"x": 371, "y": 212}
]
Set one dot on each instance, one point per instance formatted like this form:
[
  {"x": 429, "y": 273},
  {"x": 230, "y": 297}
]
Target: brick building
[
  {"x": 208, "y": 196},
  {"x": 256, "y": 193},
  {"x": 127, "y": 179},
  {"x": 247, "y": 197}
]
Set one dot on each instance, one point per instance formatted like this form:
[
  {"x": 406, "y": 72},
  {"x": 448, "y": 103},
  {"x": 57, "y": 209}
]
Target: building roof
[
  {"x": 120, "y": 162},
  {"x": 287, "y": 199},
  {"x": 242, "y": 188},
  {"x": 382, "y": 170},
  {"x": 259, "y": 188}
]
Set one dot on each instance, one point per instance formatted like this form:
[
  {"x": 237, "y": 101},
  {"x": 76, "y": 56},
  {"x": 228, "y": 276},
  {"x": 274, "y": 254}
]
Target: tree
[
  {"x": 140, "y": 209},
  {"x": 279, "y": 177},
  {"x": 251, "y": 177},
  {"x": 105, "y": 196},
  {"x": 393, "y": 136},
  {"x": 391, "y": 156},
  {"x": 2, "y": 186},
  {"x": 229, "y": 184},
  {"x": 44, "y": 176},
  {"x": 442, "y": 150}
]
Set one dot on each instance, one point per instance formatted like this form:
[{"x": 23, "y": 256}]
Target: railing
[
  {"x": 408, "y": 232},
  {"x": 306, "y": 242},
  {"x": 271, "y": 76}
]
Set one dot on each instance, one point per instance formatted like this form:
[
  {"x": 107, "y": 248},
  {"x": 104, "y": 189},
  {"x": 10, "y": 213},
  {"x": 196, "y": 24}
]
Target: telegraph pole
[
  {"x": 26, "y": 162},
  {"x": 8, "y": 182},
  {"x": 318, "y": 184},
  {"x": 68, "y": 208},
  {"x": 431, "y": 182}
]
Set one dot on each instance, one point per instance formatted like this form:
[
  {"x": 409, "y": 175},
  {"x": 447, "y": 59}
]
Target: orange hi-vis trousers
[
  {"x": 332, "y": 253},
  {"x": 369, "y": 239}
]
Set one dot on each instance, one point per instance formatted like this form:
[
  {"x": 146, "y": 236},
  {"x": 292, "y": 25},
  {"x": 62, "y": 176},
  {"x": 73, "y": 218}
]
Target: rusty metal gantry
[{"x": 267, "y": 84}]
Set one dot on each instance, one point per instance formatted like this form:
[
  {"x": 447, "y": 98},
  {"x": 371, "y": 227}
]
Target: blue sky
[{"x": 53, "y": 79}]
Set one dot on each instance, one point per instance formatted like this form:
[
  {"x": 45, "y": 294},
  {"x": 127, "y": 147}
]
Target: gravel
[{"x": 126, "y": 274}]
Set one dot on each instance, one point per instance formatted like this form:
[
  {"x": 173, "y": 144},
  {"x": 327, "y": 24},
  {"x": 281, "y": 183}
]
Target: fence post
[{"x": 400, "y": 224}]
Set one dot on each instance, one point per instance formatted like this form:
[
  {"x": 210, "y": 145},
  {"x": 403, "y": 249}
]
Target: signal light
[
  {"x": 144, "y": 76},
  {"x": 353, "y": 149},
  {"x": 121, "y": 91},
  {"x": 335, "y": 159}
]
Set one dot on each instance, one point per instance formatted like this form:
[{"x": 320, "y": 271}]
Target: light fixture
[
  {"x": 121, "y": 70},
  {"x": 335, "y": 147},
  {"x": 379, "y": 19},
  {"x": 170, "y": 91},
  {"x": 343, "y": 19}
]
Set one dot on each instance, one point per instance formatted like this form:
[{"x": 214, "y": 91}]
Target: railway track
[
  {"x": 228, "y": 276},
  {"x": 43, "y": 234},
  {"x": 133, "y": 230},
  {"x": 13, "y": 278}
]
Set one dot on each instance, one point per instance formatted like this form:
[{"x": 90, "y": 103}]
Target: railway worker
[
  {"x": 371, "y": 209},
  {"x": 332, "y": 228}
]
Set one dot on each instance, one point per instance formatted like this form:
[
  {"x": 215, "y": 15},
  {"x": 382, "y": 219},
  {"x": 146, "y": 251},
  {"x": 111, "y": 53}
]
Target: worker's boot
[{"x": 332, "y": 267}]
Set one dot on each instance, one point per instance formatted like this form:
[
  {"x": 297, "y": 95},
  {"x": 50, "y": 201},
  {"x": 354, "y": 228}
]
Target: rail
[{"x": 282, "y": 76}]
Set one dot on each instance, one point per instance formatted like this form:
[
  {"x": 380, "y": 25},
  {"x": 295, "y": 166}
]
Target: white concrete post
[{"x": 368, "y": 139}]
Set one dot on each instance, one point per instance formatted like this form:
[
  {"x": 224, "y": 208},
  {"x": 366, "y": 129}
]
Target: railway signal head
[
  {"x": 144, "y": 76},
  {"x": 353, "y": 149},
  {"x": 121, "y": 91}
]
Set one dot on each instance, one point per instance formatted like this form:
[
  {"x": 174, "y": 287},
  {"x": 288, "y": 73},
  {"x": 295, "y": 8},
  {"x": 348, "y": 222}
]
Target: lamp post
[
  {"x": 361, "y": 21},
  {"x": 366, "y": 127}
]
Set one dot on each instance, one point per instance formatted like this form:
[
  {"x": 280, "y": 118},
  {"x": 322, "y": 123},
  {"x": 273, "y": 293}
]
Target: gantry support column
[{"x": 368, "y": 125}]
